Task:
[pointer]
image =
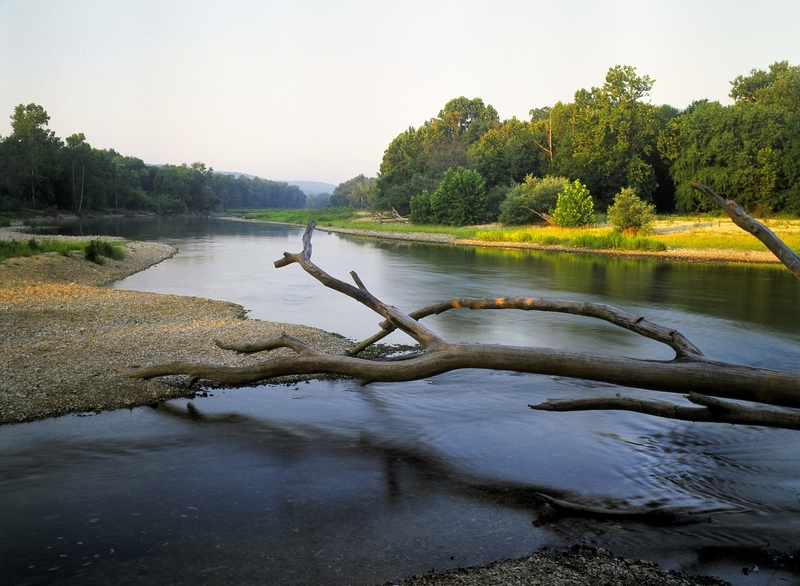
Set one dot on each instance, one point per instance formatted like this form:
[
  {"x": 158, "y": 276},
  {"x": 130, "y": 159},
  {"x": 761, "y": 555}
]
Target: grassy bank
[
  {"x": 93, "y": 250},
  {"x": 669, "y": 233}
]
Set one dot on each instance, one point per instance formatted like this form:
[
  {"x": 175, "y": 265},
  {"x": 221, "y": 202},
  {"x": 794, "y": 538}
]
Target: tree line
[
  {"x": 38, "y": 171},
  {"x": 609, "y": 138}
]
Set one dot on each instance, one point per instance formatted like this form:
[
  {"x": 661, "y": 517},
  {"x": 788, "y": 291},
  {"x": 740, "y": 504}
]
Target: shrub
[
  {"x": 534, "y": 196},
  {"x": 97, "y": 249},
  {"x": 460, "y": 199},
  {"x": 574, "y": 207},
  {"x": 421, "y": 208},
  {"x": 628, "y": 212}
]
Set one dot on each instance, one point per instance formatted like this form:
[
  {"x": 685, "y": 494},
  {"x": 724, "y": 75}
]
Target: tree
[
  {"x": 78, "y": 154},
  {"x": 460, "y": 199},
  {"x": 574, "y": 207},
  {"x": 465, "y": 119},
  {"x": 507, "y": 153},
  {"x": 707, "y": 381},
  {"x": 189, "y": 186},
  {"x": 615, "y": 135},
  {"x": 357, "y": 192},
  {"x": 748, "y": 150},
  {"x": 417, "y": 159},
  {"x": 130, "y": 181},
  {"x": 628, "y": 212},
  {"x": 533, "y": 200},
  {"x": 421, "y": 209},
  {"x": 37, "y": 147}
]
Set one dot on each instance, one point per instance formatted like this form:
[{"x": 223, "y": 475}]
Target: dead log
[
  {"x": 786, "y": 255},
  {"x": 689, "y": 371}
]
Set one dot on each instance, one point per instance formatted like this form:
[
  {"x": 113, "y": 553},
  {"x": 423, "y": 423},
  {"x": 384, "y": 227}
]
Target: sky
[{"x": 315, "y": 90}]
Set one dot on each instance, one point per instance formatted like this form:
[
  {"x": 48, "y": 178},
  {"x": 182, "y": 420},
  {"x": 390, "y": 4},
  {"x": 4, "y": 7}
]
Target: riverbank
[
  {"x": 710, "y": 255},
  {"x": 63, "y": 333}
]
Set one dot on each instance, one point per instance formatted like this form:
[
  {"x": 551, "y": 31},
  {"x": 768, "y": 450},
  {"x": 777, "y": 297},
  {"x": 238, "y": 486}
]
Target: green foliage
[
  {"x": 417, "y": 159},
  {"x": 495, "y": 197},
  {"x": 534, "y": 196},
  {"x": 574, "y": 207},
  {"x": 460, "y": 199},
  {"x": 509, "y": 152},
  {"x": 316, "y": 201},
  {"x": 421, "y": 209},
  {"x": 97, "y": 251},
  {"x": 32, "y": 247},
  {"x": 358, "y": 192},
  {"x": 615, "y": 135},
  {"x": 628, "y": 212},
  {"x": 748, "y": 152},
  {"x": 303, "y": 216},
  {"x": 610, "y": 241},
  {"x": 4, "y": 222}
]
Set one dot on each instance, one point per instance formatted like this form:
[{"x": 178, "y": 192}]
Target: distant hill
[
  {"x": 313, "y": 187},
  {"x": 307, "y": 187}
]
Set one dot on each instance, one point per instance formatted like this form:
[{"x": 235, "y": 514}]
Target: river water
[{"x": 329, "y": 482}]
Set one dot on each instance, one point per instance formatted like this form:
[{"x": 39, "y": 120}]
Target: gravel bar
[{"x": 63, "y": 334}]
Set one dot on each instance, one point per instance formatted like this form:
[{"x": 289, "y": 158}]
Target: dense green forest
[
  {"x": 608, "y": 138},
  {"x": 38, "y": 171}
]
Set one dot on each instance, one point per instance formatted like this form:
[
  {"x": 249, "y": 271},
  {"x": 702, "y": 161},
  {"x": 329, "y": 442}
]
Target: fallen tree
[{"x": 706, "y": 381}]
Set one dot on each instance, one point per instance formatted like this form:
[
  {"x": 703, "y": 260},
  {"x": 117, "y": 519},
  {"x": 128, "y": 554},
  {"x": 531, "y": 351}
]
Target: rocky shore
[{"x": 63, "y": 333}]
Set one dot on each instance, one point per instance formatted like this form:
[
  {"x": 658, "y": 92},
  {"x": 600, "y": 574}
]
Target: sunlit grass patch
[
  {"x": 32, "y": 247},
  {"x": 589, "y": 238}
]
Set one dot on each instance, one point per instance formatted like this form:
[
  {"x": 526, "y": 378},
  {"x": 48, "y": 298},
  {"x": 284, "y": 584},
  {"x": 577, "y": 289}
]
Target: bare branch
[
  {"x": 282, "y": 341},
  {"x": 739, "y": 217},
  {"x": 397, "y": 318},
  {"x": 637, "y": 324},
  {"x": 712, "y": 410}
]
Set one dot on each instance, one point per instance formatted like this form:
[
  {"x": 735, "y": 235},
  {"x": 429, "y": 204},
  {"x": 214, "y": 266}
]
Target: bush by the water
[
  {"x": 629, "y": 212},
  {"x": 575, "y": 207},
  {"x": 526, "y": 202},
  {"x": 421, "y": 208},
  {"x": 97, "y": 251},
  {"x": 460, "y": 199}
]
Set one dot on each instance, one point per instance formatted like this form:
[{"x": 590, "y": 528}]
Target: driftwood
[
  {"x": 786, "y": 255},
  {"x": 688, "y": 372},
  {"x": 395, "y": 217}
]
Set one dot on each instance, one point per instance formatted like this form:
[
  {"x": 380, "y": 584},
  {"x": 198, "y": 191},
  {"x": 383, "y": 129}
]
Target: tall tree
[
  {"x": 749, "y": 151},
  {"x": 37, "y": 147},
  {"x": 615, "y": 135},
  {"x": 357, "y": 192}
]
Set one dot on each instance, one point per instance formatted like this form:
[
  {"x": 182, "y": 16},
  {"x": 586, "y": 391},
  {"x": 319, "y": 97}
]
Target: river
[{"x": 329, "y": 482}]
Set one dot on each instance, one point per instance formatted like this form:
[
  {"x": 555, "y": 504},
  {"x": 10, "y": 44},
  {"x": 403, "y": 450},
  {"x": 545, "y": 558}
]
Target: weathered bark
[
  {"x": 688, "y": 372},
  {"x": 776, "y": 246},
  {"x": 712, "y": 410}
]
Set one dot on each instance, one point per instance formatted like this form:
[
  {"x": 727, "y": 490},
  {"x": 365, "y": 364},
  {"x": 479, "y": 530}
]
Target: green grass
[
  {"x": 303, "y": 216},
  {"x": 352, "y": 219},
  {"x": 588, "y": 238},
  {"x": 32, "y": 247},
  {"x": 708, "y": 232}
]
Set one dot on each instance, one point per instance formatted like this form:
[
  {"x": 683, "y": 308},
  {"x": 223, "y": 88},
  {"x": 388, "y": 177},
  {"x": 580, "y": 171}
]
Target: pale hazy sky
[{"x": 316, "y": 90}]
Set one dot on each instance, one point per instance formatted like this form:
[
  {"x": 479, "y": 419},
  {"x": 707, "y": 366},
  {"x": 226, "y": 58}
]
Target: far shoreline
[{"x": 687, "y": 255}]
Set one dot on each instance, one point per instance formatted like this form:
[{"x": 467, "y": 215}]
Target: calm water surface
[{"x": 329, "y": 482}]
